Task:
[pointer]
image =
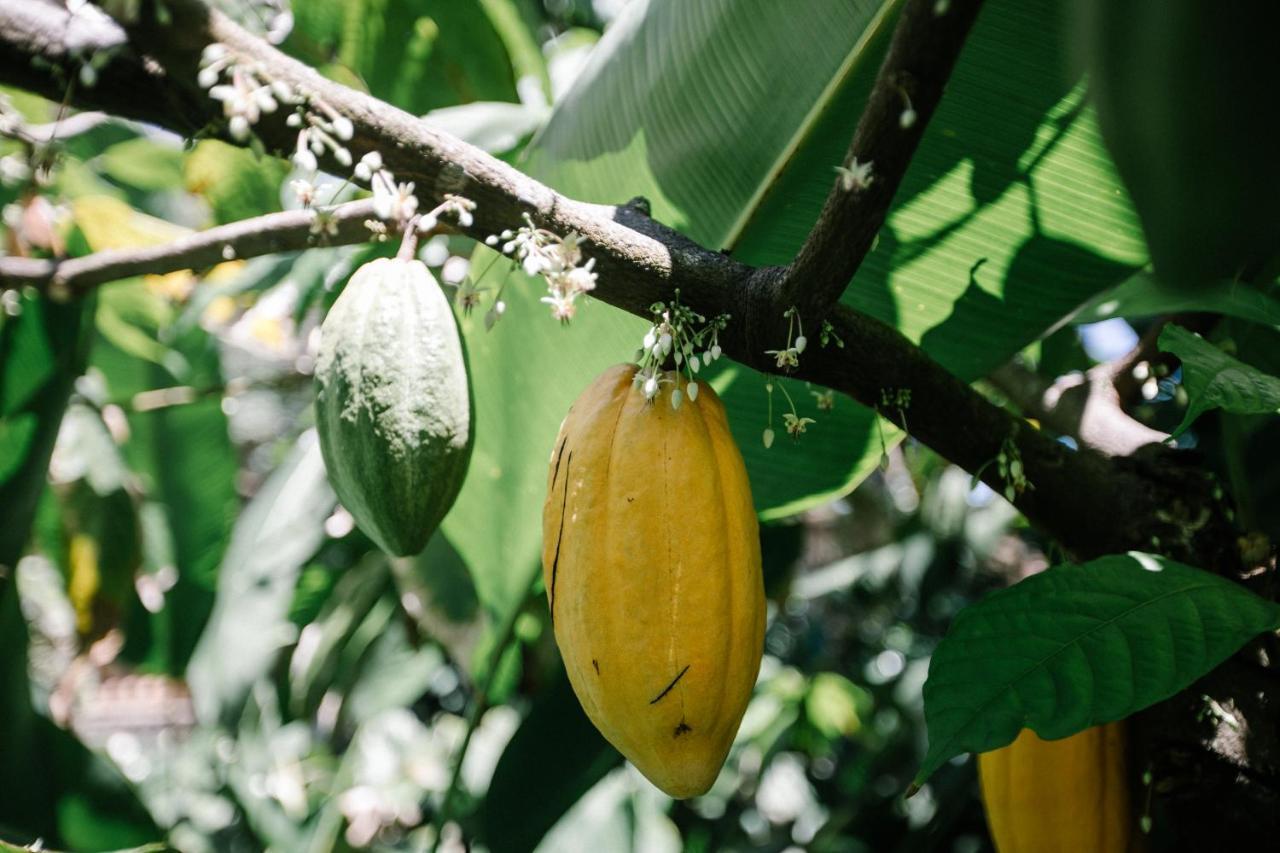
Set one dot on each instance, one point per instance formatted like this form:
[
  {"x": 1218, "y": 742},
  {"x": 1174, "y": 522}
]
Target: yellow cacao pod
[
  {"x": 1068, "y": 795},
  {"x": 651, "y": 557}
]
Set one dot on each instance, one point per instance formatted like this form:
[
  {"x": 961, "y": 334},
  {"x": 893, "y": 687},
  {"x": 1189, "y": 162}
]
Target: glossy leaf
[
  {"x": 1142, "y": 295},
  {"x": 1185, "y": 91},
  {"x": 416, "y": 54},
  {"x": 556, "y": 733},
  {"x": 280, "y": 528},
  {"x": 1081, "y": 645},
  {"x": 1215, "y": 380}
]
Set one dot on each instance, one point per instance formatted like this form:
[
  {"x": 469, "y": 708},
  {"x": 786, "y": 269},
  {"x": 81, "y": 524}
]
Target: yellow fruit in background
[
  {"x": 651, "y": 557},
  {"x": 1059, "y": 796}
]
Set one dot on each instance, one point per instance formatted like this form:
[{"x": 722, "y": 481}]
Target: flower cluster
[
  {"x": 557, "y": 259},
  {"x": 792, "y": 422},
  {"x": 788, "y": 358},
  {"x": 247, "y": 92},
  {"x": 683, "y": 335},
  {"x": 828, "y": 334},
  {"x": 1009, "y": 466}
]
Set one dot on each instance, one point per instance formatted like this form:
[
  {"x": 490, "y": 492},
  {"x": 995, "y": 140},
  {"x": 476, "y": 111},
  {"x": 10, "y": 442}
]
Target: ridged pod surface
[
  {"x": 393, "y": 405},
  {"x": 1068, "y": 795},
  {"x": 651, "y": 557}
]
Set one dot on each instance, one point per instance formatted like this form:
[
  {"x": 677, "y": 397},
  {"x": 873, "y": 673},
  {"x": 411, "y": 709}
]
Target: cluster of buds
[
  {"x": 557, "y": 259},
  {"x": 247, "y": 92},
  {"x": 1009, "y": 466},
  {"x": 392, "y": 201},
  {"x": 683, "y": 335}
]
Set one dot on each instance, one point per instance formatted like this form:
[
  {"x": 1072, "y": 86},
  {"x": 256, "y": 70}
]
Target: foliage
[{"x": 200, "y": 645}]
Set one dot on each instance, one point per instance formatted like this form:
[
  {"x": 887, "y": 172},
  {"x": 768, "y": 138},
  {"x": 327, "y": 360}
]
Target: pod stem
[{"x": 409, "y": 245}]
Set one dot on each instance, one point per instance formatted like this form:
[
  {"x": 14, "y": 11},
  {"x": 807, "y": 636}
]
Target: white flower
[
  {"x": 715, "y": 351},
  {"x": 857, "y": 176},
  {"x": 692, "y": 390},
  {"x": 562, "y": 308},
  {"x": 676, "y": 398},
  {"x": 694, "y": 364},
  {"x": 795, "y": 425},
  {"x": 651, "y": 387},
  {"x": 305, "y": 191},
  {"x": 767, "y": 438},
  {"x": 801, "y": 343},
  {"x": 907, "y": 118}
]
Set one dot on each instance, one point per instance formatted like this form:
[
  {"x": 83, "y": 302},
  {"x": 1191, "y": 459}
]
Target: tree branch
[
  {"x": 1084, "y": 405},
  {"x": 926, "y": 44},
  {"x": 248, "y": 238},
  {"x": 1090, "y": 504}
]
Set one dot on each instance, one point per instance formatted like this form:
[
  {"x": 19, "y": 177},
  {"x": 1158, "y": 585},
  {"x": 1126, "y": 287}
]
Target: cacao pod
[
  {"x": 1068, "y": 795},
  {"x": 651, "y": 558},
  {"x": 393, "y": 405}
]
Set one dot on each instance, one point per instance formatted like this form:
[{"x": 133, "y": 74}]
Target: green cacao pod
[
  {"x": 393, "y": 404},
  {"x": 651, "y": 558}
]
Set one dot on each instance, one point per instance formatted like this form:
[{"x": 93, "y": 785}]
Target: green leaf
[
  {"x": 143, "y": 164},
  {"x": 277, "y": 532},
  {"x": 416, "y": 54},
  {"x": 1081, "y": 645},
  {"x": 1215, "y": 380},
  {"x": 572, "y": 756},
  {"x": 492, "y": 126},
  {"x": 35, "y": 394},
  {"x": 1185, "y": 91},
  {"x": 235, "y": 182},
  {"x": 1142, "y": 295}
]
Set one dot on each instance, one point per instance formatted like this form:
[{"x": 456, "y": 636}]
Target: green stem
[{"x": 479, "y": 702}]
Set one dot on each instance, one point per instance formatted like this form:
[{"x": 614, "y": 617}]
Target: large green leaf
[
  {"x": 1078, "y": 646},
  {"x": 416, "y": 54},
  {"x": 1215, "y": 380},
  {"x": 42, "y": 351},
  {"x": 685, "y": 104},
  {"x": 277, "y": 532},
  {"x": 185, "y": 463},
  {"x": 1142, "y": 295},
  {"x": 556, "y": 733},
  {"x": 1186, "y": 93}
]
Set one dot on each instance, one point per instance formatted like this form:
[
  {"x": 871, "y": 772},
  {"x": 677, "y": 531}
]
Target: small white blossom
[
  {"x": 857, "y": 176},
  {"x": 767, "y": 437},
  {"x": 800, "y": 343},
  {"x": 692, "y": 390},
  {"x": 305, "y": 191},
  {"x": 907, "y": 118}
]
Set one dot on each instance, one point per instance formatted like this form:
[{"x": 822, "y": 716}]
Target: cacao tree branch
[
  {"x": 262, "y": 235},
  {"x": 926, "y": 44},
  {"x": 1090, "y": 504},
  {"x": 1083, "y": 405}
]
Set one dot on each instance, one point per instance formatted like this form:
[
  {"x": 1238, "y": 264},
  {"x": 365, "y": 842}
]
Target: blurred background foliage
[{"x": 200, "y": 647}]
